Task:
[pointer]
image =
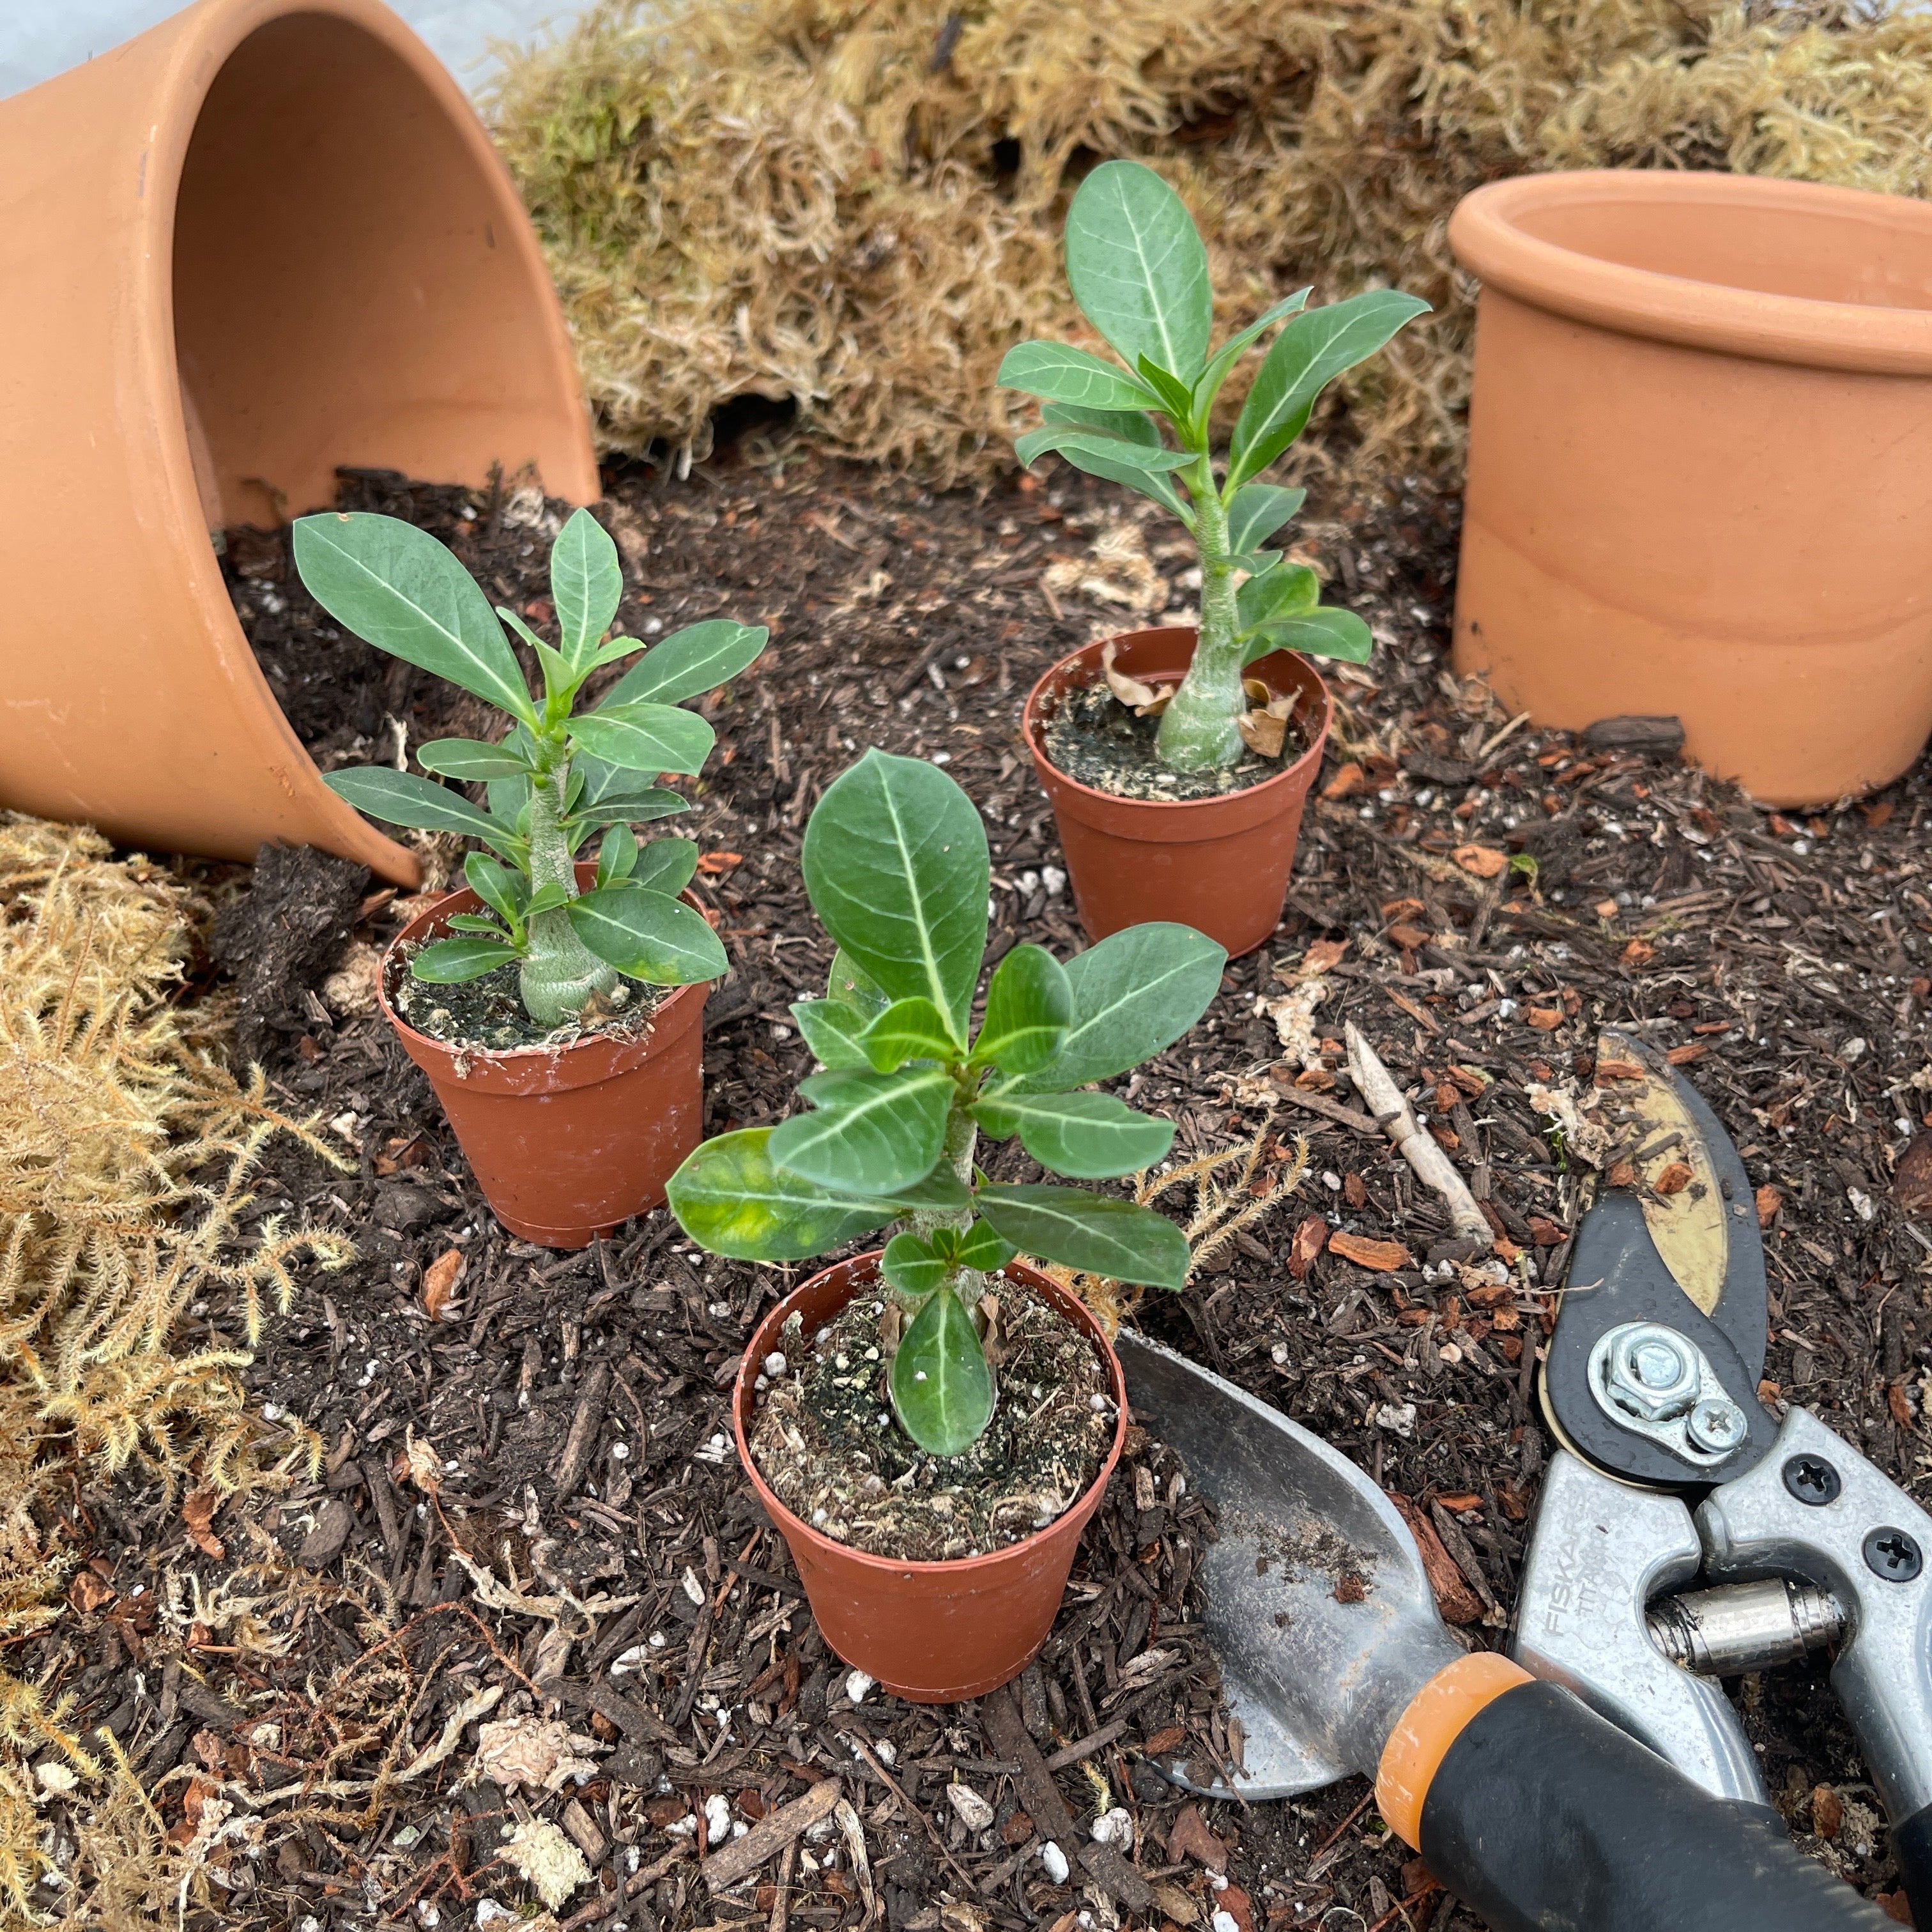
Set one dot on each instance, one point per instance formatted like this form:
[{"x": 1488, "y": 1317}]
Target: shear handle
[{"x": 1542, "y": 1815}]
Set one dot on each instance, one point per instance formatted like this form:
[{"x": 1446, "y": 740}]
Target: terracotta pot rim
[
  {"x": 1032, "y": 717},
  {"x": 512, "y": 1058},
  {"x": 789, "y": 1523},
  {"x": 1487, "y": 239}
]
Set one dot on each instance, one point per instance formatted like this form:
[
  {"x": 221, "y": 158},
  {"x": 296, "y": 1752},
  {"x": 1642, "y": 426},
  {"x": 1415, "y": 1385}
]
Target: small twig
[
  {"x": 907, "y": 1808},
  {"x": 1432, "y": 1167},
  {"x": 1489, "y": 744}
]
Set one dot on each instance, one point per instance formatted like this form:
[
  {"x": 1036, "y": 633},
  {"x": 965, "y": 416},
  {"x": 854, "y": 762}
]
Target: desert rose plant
[
  {"x": 1139, "y": 271},
  {"x": 896, "y": 867},
  {"x": 558, "y": 775}
]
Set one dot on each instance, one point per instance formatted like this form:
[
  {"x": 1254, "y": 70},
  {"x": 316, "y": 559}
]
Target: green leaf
[
  {"x": 645, "y": 737},
  {"x": 448, "y": 961},
  {"x": 1137, "y": 269},
  {"x": 981, "y": 1247},
  {"x": 941, "y": 1191},
  {"x": 1094, "y": 1232},
  {"x": 832, "y": 1030},
  {"x": 1256, "y": 511},
  {"x": 1231, "y": 352},
  {"x": 1137, "y": 992},
  {"x": 1136, "y": 429},
  {"x": 1325, "y": 633},
  {"x": 1029, "y": 1005},
  {"x": 469, "y": 758},
  {"x": 401, "y": 798},
  {"x": 617, "y": 858},
  {"x": 867, "y": 1133},
  {"x": 909, "y": 1030},
  {"x": 1316, "y": 347},
  {"x": 1177, "y": 399},
  {"x": 1086, "y": 1136},
  {"x": 896, "y": 868},
  {"x": 648, "y": 935},
  {"x": 697, "y": 658},
  {"x": 560, "y": 681},
  {"x": 942, "y": 1388},
  {"x": 497, "y": 886},
  {"x": 631, "y": 806},
  {"x": 397, "y": 588},
  {"x": 910, "y": 1265},
  {"x": 477, "y": 921},
  {"x": 1285, "y": 591},
  {"x": 666, "y": 865},
  {"x": 729, "y": 1198},
  {"x": 1064, "y": 374},
  {"x": 546, "y": 899},
  {"x": 1085, "y": 448},
  {"x": 851, "y": 986},
  {"x": 586, "y": 584}
]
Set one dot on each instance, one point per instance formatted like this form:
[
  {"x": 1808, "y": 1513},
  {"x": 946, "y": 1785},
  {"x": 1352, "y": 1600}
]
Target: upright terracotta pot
[
  {"x": 1699, "y": 478},
  {"x": 1220, "y": 864},
  {"x": 266, "y": 238},
  {"x": 566, "y": 1142},
  {"x": 936, "y": 1633}
]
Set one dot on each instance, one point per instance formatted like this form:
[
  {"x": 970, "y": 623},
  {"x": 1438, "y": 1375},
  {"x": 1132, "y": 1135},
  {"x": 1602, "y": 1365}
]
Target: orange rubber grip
[{"x": 1432, "y": 1721}]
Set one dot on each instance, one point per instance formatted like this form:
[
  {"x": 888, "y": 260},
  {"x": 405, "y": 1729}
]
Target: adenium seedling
[
  {"x": 557, "y": 776},
  {"x": 1139, "y": 271},
  {"x": 896, "y": 868}
]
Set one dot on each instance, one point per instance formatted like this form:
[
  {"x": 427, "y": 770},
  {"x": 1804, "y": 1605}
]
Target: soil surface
[
  {"x": 1097, "y": 740},
  {"x": 825, "y": 1440},
  {"x": 526, "y": 1481},
  {"x": 488, "y": 1011}
]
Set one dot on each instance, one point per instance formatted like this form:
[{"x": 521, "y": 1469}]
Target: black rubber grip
[
  {"x": 1911, "y": 1847},
  {"x": 1544, "y": 1815}
]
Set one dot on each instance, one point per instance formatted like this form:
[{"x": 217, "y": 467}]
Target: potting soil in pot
[
  {"x": 489, "y": 1012},
  {"x": 825, "y": 1438},
  {"x": 1098, "y": 741}
]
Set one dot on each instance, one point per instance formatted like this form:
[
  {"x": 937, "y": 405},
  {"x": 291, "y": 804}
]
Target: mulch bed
[{"x": 531, "y": 1489}]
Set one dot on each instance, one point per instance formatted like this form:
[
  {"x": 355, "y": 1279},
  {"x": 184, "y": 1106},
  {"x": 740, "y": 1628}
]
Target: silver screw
[
  {"x": 1717, "y": 1425},
  {"x": 1651, "y": 1373}
]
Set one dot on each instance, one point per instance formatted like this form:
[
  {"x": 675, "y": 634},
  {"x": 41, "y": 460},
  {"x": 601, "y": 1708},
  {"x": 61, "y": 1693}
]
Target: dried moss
[{"x": 856, "y": 207}]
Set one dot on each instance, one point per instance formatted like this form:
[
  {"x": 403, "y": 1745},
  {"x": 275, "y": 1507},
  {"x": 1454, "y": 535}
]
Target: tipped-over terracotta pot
[
  {"x": 264, "y": 238},
  {"x": 1699, "y": 467},
  {"x": 935, "y": 1632},
  {"x": 565, "y": 1142},
  {"x": 1220, "y": 864}
]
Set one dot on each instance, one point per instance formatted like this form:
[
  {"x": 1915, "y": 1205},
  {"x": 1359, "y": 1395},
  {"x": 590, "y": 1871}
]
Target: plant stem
[
  {"x": 962, "y": 1140},
  {"x": 560, "y": 973},
  {"x": 1197, "y": 729}
]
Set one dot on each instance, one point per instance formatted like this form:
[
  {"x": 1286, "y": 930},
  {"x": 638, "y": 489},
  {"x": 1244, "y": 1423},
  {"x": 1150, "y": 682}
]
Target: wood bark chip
[
  {"x": 1432, "y": 1167},
  {"x": 1000, "y": 1715},
  {"x": 1911, "y": 1185},
  {"x": 739, "y": 1858},
  {"x": 1189, "y": 1837},
  {"x": 581, "y": 1442},
  {"x": 1458, "y": 1603},
  {"x": 1380, "y": 1257}
]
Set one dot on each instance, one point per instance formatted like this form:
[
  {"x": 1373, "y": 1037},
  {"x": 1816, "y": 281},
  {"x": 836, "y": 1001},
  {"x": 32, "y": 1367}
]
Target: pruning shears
[{"x": 1685, "y": 1533}]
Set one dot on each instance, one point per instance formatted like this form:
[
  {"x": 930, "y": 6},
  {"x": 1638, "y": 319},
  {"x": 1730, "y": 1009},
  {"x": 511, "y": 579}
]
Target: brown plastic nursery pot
[
  {"x": 1220, "y": 864},
  {"x": 566, "y": 1142},
  {"x": 1697, "y": 478},
  {"x": 935, "y": 1632},
  {"x": 264, "y": 238}
]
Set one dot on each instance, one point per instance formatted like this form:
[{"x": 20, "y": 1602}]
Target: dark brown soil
[
  {"x": 825, "y": 1440},
  {"x": 1098, "y": 741},
  {"x": 577, "y": 1401},
  {"x": 488, "y": 1012}
]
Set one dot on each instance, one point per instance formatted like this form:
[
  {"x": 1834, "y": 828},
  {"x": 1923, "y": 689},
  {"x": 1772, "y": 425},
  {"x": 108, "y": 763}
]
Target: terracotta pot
[
  {"x": 566, "y": 1142},
  {"x": 935, "y": 1632},
  {"x": 1220, "y": 864},
  {"x": 264, "y": 238},
  {"x": 1697, "y": 467}
]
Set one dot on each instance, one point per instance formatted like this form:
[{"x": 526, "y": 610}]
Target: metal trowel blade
[{"x": 1317, "y": 1604}]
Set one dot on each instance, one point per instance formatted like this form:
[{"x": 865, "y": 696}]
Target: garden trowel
[{"x": 1524, "y": 1802}]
